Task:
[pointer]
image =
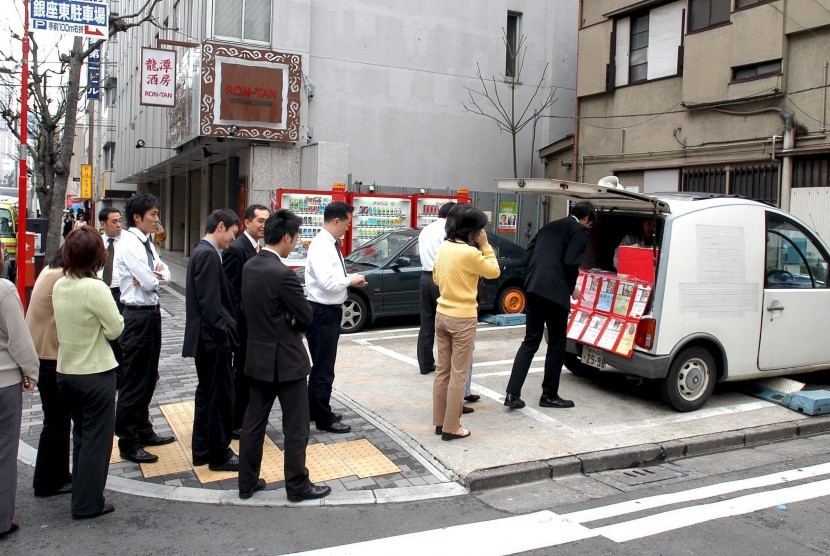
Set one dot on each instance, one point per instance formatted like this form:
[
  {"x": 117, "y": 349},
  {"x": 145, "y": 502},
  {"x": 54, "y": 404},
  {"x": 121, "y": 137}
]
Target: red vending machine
[
  {"x": 376, "y": 214},
  {"x": 309, "y": 206},
  {"x": 425, "y": 207}
]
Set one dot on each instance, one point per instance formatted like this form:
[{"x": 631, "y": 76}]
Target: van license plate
[{"x": 593, "y": 357}]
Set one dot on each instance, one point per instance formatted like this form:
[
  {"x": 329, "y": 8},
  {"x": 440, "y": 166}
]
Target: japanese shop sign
[
  {"x": 158, "y": 77},
  {"x": 75, "y": 17},
  {"x": 93, "y": 75},
  {"x": 86, "y": 182}
]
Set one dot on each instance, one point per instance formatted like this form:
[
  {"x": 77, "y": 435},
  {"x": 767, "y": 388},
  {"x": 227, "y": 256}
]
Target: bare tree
[
  {"x": 56, "y": 116},
  {"x": 488, "y": 102}
]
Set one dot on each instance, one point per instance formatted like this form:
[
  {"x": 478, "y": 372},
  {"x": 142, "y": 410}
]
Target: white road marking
[
  {"x": 389, "y": 353},
  {"x": 543, "y": 529},
  {"x": 503, "y": 362},
  {"x": 701, "y": 493},
  {"x": 504, "y": 373},
  {"x": 527, "y": 410},
  {"x": 682, "y": 417},
  {"x": 358, "y": 336}
]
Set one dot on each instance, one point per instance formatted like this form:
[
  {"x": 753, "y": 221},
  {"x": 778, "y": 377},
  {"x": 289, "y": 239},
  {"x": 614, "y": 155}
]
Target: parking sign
[{"x": 89, "y": 18}]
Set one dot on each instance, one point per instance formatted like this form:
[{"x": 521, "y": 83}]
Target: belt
[
  {"x": 142, "y": 307},
  {"x": 427, "y": 272}
]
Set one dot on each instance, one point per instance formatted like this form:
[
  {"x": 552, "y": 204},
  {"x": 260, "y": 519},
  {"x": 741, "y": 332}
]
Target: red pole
[{"x": 22, "y": 253}]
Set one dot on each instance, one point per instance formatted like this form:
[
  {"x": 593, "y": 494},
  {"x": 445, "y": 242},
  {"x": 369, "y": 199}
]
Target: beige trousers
[{"x": 456, "y": 339}]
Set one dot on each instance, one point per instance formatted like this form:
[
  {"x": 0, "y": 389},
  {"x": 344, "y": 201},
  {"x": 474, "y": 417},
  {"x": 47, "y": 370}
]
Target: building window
[
  {"x": 109, "y": 156},
  {"x": 512, "y": 43},
  {"x": 638, "y": 54},
  {"x": 756, "y": 182},
  {"x": 755, "y": 71},
  {"x": 707, "y": 13},
  {"x": 111, "y": 90},
  {"x": 243, "y": 20},
  {"x": 739, "y": 4},
  {"x": 704, "y": 180}
]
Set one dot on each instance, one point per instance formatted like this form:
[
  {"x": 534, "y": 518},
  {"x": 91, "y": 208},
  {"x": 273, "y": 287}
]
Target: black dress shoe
[
  {"x": 108, "y": 508},
  {"x": 260, "y": 485},
  {"x": 230, "y": 464},
  {"x": 334, "y": 417},
  {"x": 157, "y": 440},
  {"x": 337, "y": 427},
  {"x": 139, "y": 455},
  {"x": 465, "y": 410},
  {"x": 555, "y": 401},
  {"x": 472, "y": 398},
  {"x": 513, "y": 401},
  {"x": 65, "y": 489},
  {"x": 311, "y": 493},
  {"x": 430, "y": 370}
]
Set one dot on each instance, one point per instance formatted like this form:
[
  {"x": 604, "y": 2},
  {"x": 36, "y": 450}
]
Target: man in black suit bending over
[
  {"x": 277, "y": 312},
  {"x": 233, "y": 259},
  {"x": 552, "y": 267},
  {"x": 209, "y": 336}
]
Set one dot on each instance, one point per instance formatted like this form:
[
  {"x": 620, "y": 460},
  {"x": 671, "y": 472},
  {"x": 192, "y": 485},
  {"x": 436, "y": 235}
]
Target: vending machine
[
  {"x": 426, "y": 207},
  {"x": 376, "y": 214},
  {"x": 309, "y": 206}
]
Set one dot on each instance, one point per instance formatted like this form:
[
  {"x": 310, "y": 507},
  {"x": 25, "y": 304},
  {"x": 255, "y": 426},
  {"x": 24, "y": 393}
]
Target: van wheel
[
  {"x": 577, "y": 367},
  {"x": 512, "y": 300},
  {"x": 355, "y": 314},
  {"x": 690, "y": 381}
]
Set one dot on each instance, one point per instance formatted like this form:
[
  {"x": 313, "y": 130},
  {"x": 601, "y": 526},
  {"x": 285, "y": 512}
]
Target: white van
[{"x": 740, "y": 289}]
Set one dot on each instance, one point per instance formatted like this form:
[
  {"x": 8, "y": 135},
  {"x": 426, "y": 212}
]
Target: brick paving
[{"x": 177, "y": 383}]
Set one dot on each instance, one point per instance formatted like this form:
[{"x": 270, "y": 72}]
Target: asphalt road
[{"x": 693, "y": 506}]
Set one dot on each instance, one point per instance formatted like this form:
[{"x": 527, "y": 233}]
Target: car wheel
[
  {"x": 512, "y": 300},
  {"x": 577, "y": 367},
  {"x": 355, "y": 314},
  {"x": 691, "y": 380}
]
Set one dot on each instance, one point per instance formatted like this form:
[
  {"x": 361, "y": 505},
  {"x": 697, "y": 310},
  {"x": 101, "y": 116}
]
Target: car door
[
  {"x": 401, "y": 283},
  {"x": 796, "y": 298}
]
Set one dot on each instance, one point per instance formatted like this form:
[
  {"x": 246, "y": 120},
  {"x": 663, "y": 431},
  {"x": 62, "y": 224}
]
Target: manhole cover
[{"x": 644, "y": 475}]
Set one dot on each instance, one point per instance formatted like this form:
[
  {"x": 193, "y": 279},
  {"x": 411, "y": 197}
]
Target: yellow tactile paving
[
  {"x": 325, "y": 465},
  {"x": 364, "y": 459},
  {"x": 171, "y": 460},
  {"x": 115, "y": 457}
]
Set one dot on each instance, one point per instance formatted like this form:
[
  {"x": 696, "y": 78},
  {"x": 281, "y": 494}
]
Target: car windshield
[
  {"x": 378, "y": 251},
  {"x": 6, "y": 229}
]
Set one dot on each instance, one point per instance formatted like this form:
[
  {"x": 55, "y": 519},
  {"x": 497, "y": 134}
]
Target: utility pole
[{"x": 22, "y": 253}]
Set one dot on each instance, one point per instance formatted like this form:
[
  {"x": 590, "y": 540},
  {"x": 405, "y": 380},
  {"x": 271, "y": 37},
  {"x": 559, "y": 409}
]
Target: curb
[{"x": 634, "y": 456}]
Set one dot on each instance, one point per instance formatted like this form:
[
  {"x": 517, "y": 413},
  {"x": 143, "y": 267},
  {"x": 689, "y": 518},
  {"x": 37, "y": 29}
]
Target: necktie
[
  {"x": 257, "y": 248},
  {"x": 340, "y": 256},
  {"x": 110, "y": 257},
  {"x": 149, "y": 255}
]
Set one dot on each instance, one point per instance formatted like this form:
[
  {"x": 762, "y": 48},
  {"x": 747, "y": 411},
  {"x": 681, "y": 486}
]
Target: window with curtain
[{"x": 243, "y": 20}]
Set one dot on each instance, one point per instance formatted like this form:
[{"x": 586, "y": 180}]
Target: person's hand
[
  {"x": 28, "y": 385},
  {"x": 481, "y": 238},
  {"x": 136, "y": 282},
  {"x": 577, "y": 294},
  {"x": 357, "y": 280}
]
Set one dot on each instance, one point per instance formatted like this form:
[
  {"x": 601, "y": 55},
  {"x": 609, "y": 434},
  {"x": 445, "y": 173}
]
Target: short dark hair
[
  {"x": 84, "y": 253},
  {"x": 583, "y": 209},
  {"x": 445, "y": 209},
  {"x": 104, "y": 213},
  {"x": 337, "y": 209},
  {"x": 225, "y": 216},
  {"x": 463, "y": 221},
  {"x": 250, "y": 212},
  {"x": 138, "y": 205},
  {"x": 57, "y": 260},
  {"x": 280, "y": 223}
]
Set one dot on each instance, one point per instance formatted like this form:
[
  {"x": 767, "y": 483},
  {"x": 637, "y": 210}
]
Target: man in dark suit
[
  {"x": 209, "y": 336},
  {"x": 277, "y": 312},
  {"x": 233, "y": 259},
  {"x": 552, "y": 267}
]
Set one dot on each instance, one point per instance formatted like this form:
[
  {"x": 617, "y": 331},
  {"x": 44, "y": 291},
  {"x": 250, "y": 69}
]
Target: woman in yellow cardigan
[
  {"x": 86, "y": 317},
  {"x": 465, "y": 256}
]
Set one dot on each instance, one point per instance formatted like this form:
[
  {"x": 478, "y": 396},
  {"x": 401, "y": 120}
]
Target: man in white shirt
[
  {"x": 140, "y": 272},
  {"x": 429, "y": 240},
  {"x": 109, "y": 219},
  {"x": 327, "y": 283}
]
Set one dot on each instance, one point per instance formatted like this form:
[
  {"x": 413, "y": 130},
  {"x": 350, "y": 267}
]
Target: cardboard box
[{"x": 637, "y": 262}]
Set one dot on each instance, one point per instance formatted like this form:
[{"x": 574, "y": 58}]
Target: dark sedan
[{"x": 392, "y": 267}]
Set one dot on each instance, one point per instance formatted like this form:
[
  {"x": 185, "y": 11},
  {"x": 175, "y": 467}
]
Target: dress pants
[
  {"x": 456, "y": 340},
  {"x": 141, "y": 346},
  {"x": 213, "y": 413},
  {"x": 322, "y": 337},
  {"x": 541, "y": 311},
  {"x": 294, "y": 405},
  {"x": 426, "y": 333},
  {"x": 91, "y": 400},
  {"x": 116, "y": 347},
  {"x": 11, "y": 409},
  {"x": 240, "y": 381},
  {"x": 52, "y": 463}
]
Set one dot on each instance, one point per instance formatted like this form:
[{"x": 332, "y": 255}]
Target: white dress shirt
[
  {"x": 429, "y": 240},
  {"x": 326, "y": 281},
  {"x": 116, "y": 278},
  {"x": 131, "y": 262},
  {"x": 254, "y": 242}
]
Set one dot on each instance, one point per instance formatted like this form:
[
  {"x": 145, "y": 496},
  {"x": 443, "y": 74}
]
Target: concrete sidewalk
[{"x": 615, "y": 424}]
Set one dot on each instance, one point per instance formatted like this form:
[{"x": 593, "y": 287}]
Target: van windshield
[{"x": 6, "y": 224}]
